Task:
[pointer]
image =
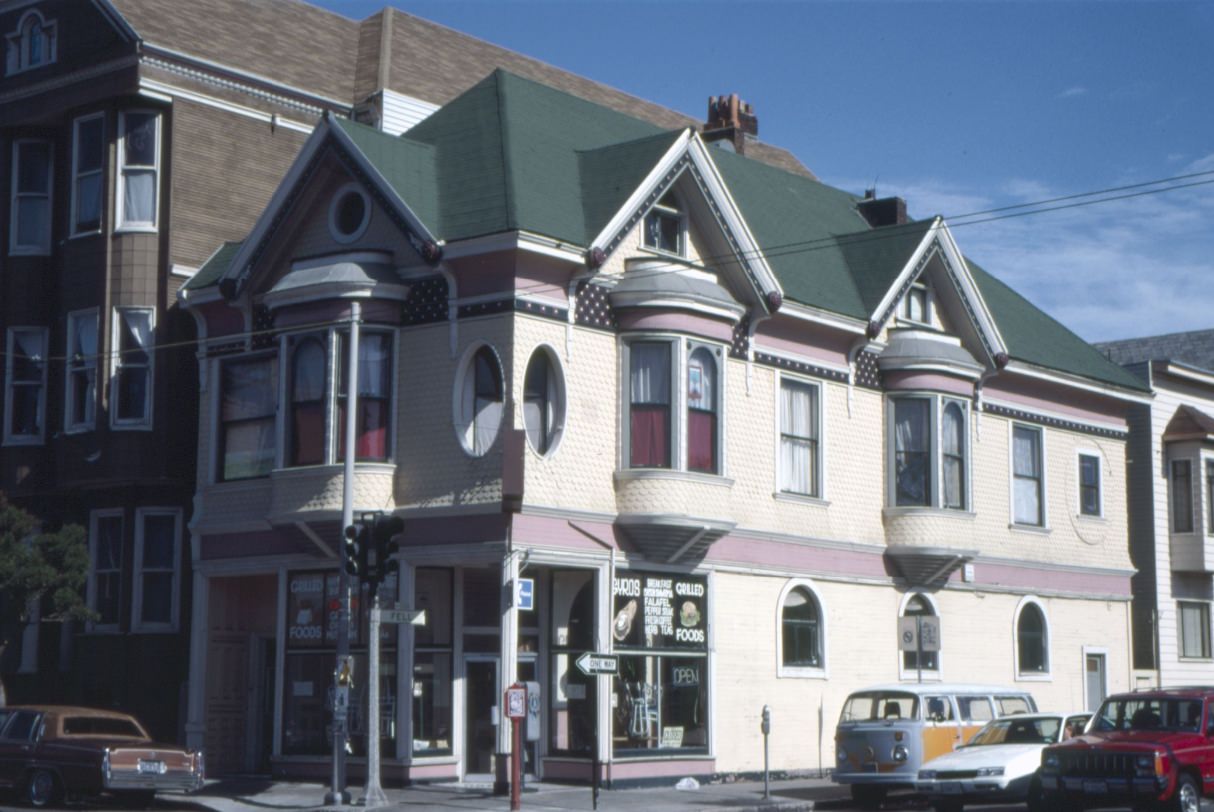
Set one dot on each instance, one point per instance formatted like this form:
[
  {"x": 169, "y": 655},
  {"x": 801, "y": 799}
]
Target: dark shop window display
[
  {"x": 573, "y": 696},
  {"x": 660, "y": 700},
  {"x": 432, "y": 663},
  {"x": 312, "y": 624}
]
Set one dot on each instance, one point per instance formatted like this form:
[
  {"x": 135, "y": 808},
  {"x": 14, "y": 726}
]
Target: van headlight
[
  {"x": 841, "y": 755},
  {"x": 984, "y": 772},
  {"x": 900, "y": 753}
]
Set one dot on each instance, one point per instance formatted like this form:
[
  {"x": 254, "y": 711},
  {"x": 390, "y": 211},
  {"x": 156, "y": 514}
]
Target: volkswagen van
[{"x": 887, "y": 732}]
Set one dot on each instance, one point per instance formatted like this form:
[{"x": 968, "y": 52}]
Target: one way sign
[{"x": 591, "y": 664}]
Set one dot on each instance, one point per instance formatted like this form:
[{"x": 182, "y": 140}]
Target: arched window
[
  {"x": 480, "y": 403},
  {"x": 702, "y": 411},
  {"x": 919, "y": 606},
  {"x": 952, "y": 438},
  {"x": 801, "y": 627},
  {"x": 1032, "y": 649},
  {"x": 543, "y": 402},
  {"x": 32, "y": 44},
  {"x": 308, "y": 402}
]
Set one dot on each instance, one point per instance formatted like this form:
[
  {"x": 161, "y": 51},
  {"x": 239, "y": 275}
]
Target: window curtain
[
  {"x": 481, "y": 406},
  {"x": 649, "y": 420},
  {"x": 139, "y": 169},
  {"x": 374, "y": 396},
  {"x": 308, "y": 403},
  {"x": 798, "y": 418},
  {"x": 1195, "y": 630},
  {"x": 1026, "y": 466},
  {"x": 953, "y": 437},
  {"x": 27, "y": 388},
  {"x": 537, "y": 402},
  {"x": 133, "y": 364},
  {"x": 702, "y": 412},
  {"x": 910, "y": 452},
  {"x": 84, "y": 370},
  {"x": 248, "y": 415}
]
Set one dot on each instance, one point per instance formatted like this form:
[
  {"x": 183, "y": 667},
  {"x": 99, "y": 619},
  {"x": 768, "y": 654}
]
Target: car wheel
[
  {"x": 42, "y": 788},
  {"x": 1188, "y": 797},
  {"x": 867, "y": 797}
]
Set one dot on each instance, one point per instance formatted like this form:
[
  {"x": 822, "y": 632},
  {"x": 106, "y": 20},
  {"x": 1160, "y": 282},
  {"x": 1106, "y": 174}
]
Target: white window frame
[
  {"x": 936, "y": 405},
  {"x": 919, "y": 286},
  {"x": 1043, "y": 455},
  {"x": 681, "y": 348},
  {"x": 91, "y": 590},
  {"x": 462, "y": 421},
  {"x": 661, "y": 210},
  {"x": 1206, "y": 631},
  {"x": 71, "y": 366},
  {"x": 73, "y": 228},
  {"x": 43, "y": 248},
  {"x": 796, "y": 671},
  {"x": 334, "y": 205},
  {"x": 123, "y": 225},
  {"x": 1207, "y": 492},
  {"x": 137, "y": 622},
  {"x": 219, "y": 427},
  {"x": 558, "y": 413},
  {"x": 116, "y": 364},
  {"x": 905, "y": 673},
  {"x": 1032, "y": 676},
  {"x": 1172, "y": 524},
  {"x": 1080, "y": 453},
  {"x": 17, "y": 59},
  {"x": 9, "y": 355},
  {"x": 819, "y": 430}
]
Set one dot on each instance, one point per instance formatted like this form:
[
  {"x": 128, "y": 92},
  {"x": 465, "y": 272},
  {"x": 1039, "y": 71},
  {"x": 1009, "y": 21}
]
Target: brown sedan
[{"x": 49, "y": 752}]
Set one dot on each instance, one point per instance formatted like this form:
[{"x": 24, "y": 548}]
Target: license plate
[
  {"x": 1095, "y": 787},
  {"x": 153, "y": 767},
  {"x": 950, "y": 788}
]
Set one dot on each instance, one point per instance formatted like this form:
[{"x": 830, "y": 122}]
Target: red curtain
[
  {"x": 650, "y": 436},
  {"x": 702, "y": 441},
  {"x": 308, "y": 434}
]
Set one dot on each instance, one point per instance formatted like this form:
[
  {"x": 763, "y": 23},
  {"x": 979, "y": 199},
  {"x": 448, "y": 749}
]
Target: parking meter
[{"x": 765, "y": 726}]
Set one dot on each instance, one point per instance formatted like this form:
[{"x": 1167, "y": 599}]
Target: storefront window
[
  {"x": 573, "y": 695},
  {"x": 432, "y": 676},
  {"x": 313, "y": 612},
  {"x": 661, "y": 693}
]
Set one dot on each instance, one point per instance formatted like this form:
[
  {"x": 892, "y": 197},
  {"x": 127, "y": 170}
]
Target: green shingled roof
[
  {"x": 212, "y": 270},
  {"x": 515, "y": 155}
]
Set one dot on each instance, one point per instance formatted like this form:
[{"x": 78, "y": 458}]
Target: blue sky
[{"x": 958, "y": 107}]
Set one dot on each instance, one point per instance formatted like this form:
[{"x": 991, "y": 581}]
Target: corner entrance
[{"x": 480, "y": 716}]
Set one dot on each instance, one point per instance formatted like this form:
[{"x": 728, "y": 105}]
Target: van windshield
[{"x": 879, "y": 706}]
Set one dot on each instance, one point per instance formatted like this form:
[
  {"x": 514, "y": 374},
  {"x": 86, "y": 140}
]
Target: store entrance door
[{"x": 480, "y": 716}]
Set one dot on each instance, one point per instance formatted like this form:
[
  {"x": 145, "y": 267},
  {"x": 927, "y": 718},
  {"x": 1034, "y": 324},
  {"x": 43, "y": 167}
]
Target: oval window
[
  {"x": 543, "y": 402},
  {"x": 479, "y": 406},
  {"x": 349, "y": 213}
]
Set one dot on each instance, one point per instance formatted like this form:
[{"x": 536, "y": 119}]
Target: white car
[{"x": 999, "y": 763}]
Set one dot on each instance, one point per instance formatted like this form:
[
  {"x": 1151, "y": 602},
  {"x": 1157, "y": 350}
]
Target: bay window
[
  {"x": 249, "y": 391},
  {"x": 30, "y": 229},
  {"x": 1027, "y": 476},
  {"x": 88, "y": 159},
  {"x": 1182, "y": 496},
  {"x": 24, "y": 396},
  {"x": 307, "y": 431},
  {"x": 131, "y": 385},
  {"x": 929, "y": 452},
  {"x": 374, "y": 395},
  {"x": 139, "y": 170},
  {"x": 81, "y": 398},
  {"x": 668, "y": 426}
]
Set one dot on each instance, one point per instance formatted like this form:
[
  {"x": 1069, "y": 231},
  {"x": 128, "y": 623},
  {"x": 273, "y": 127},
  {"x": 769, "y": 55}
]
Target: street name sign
[
  {"x": 415, "y": 617},
  {"x": 592, "y": 664}
]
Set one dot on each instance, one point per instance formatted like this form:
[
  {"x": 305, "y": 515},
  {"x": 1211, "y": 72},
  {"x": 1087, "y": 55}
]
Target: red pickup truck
[{"x": 1148, "y": 750}]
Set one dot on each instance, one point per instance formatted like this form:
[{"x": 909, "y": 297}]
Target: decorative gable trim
[
  {"x": 938, "y": 242},
  {"x": 689, "y": 154},
  {"x": 327, "y": 136}
]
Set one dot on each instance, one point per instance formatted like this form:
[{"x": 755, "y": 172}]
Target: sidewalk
[{"x": 246, "y": 795}]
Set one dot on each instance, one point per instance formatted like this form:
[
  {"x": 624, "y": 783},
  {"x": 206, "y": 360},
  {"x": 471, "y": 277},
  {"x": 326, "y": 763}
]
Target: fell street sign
[
  {"x": 383, "y": 615},
  {"x": 592, "y": 664}
]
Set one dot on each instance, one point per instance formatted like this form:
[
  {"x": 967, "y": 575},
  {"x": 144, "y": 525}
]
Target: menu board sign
[{"x": 659, "y": 610}]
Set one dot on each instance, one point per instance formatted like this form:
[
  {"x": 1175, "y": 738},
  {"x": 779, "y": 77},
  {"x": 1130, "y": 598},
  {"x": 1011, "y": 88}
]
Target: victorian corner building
[{"x": 718, "y": 420}]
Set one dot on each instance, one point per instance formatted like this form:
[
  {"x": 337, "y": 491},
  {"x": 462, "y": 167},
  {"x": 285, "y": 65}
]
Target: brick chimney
[
  {"x": 730, "y": 121},
  {"x": 885, "y": 211}
]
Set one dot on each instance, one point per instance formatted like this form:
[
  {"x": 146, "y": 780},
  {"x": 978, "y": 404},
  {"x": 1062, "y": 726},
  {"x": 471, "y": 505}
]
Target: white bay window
[
  {"x": 929, "y": 452},
  {"x": 139, "y": 170}
]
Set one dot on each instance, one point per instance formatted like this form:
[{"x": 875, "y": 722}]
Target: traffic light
[
  {"x": 357, "y": 543},
  {"x": 382, "y": 531}
]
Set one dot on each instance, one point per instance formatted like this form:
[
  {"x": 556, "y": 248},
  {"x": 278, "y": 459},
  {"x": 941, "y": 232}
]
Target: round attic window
[{"x": 349, "y": 213}]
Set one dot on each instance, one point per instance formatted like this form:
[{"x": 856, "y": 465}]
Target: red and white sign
[{"x": 516, "y": 702}]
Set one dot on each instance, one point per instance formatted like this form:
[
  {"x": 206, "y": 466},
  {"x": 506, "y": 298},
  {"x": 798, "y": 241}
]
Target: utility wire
[{"x": 1073, "y": 201}]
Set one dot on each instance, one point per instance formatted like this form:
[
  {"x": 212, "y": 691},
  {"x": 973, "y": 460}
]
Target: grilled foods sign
[{"x": 659, "y": 611}]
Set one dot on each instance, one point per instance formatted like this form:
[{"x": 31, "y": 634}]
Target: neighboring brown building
[{"x": 137, "y": 135}]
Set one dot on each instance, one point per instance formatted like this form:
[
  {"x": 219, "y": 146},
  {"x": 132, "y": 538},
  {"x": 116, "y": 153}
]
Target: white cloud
[
  {"x": 1125, "y": 268},
  {"x": 1072, "y": 92}
]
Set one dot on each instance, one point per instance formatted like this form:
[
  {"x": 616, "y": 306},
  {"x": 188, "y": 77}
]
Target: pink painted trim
[
  {"x": 429, "y": 771},
  {"x": 485, "y": 273},
  {"x": 666, "y": 767},
  {"x": 1019, "y": 577},
  {"x": 797, "y": 557},
  {"x": 932, "y": 381},
  {"x": 1036, "y": 395},
  {"x": 815, "y": 341},
  {"x": 565, "y": 534},
  {"x": 677, "y": 322}
]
